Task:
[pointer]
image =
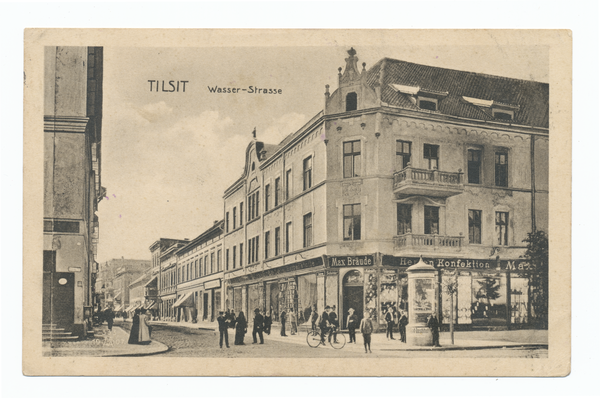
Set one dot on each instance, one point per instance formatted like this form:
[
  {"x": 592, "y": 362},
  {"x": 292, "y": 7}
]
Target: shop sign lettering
[
  {"x": 351, "y": 261},
  {"x": 503, "y": 265}
]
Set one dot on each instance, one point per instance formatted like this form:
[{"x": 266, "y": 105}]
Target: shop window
[
  {"x": 474, "y": 165},
  {"x": 352, "y": 159},
  {"x": 430, "y": 154},
  {"x": 307, "y": 173},
  {"x": 501, "y": 228},
  {"x": 267, "y": 243},
  {"x": 277, "y": 241},
  {"x": 432, "y": 220},
  {"x": 404, "y": 218},
  {"x": 475, "y": 226},
  {"x": 351, "y": 102},
  {"x": 277, "y": 191},
  {"x": 267, "y": 196},
  {"x": 501, "y": 169},
  {"x": 518, "y": 299},
  {"x": 307, "y": 239},
  {"x": 307, "y": 296},
  {"x": 352, "y": 222},
  {"x": 288, "y": 237},
  {"x": 402, "y": 154},
  {"x": 288, "y": 184},
  {"x": 488, "y": 306}
]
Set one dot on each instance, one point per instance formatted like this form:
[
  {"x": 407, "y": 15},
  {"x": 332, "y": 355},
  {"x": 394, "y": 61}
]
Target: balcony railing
[
  {"x": 413, "y": 181},
  {"x": 427, "y": 242}
]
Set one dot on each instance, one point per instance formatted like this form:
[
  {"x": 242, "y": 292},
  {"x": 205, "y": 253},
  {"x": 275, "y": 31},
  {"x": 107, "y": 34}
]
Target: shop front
[{"x": 210, "y": 301}]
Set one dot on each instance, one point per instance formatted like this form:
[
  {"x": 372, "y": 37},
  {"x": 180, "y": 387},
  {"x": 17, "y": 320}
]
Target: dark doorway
[
  {"x": 212, "y": 306},
  {"x": 353, "y": 292},
  {"x": 59, "y": 299}
]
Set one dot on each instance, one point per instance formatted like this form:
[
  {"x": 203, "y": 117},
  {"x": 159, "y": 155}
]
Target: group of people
[
  {"x": 393, "y": 319},
  {"x": 140, "y": 328}
]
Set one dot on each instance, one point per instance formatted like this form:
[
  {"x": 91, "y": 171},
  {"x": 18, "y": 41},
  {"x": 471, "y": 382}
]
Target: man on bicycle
[{"x": 325, "y": 325}]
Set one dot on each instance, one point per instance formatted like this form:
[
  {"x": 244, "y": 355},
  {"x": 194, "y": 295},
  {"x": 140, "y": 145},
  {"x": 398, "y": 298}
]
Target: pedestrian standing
[
  {"x": 283, "y": 319},
  {"x": 241, "y": 327},
  {"x": 366, "y": 328},
  {"x": 434, "y": 326},
  {"x": 389, "y": 319},
  {"x": 352, "y": 323},
  {"x": 109, "y": 315},
  {"x": 258, "y": 327},
  {"x": 293, "y": 321},
  {"x": 324, "y": 324},
  {"x": 223, "y": 333},
  {"x": 314, "y": 315},
  {"x": 268, "y": 320},
  {"x": 135, "y": 329},
  {"x": 402, "y": 322},
  {"x": 144, "y": 329}
]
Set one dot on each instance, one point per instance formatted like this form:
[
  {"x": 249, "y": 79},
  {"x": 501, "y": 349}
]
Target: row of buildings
[{"x": 404, "y": 161}]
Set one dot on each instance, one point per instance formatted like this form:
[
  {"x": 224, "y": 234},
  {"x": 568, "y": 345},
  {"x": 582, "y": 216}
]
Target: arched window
[{"x": 351, "y": 102}]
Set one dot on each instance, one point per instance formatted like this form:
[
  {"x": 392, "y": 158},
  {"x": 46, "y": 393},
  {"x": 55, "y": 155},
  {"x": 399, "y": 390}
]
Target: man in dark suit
[
  {"x": 434, "y": 326},
  {"x": 333, "y": 321},
  {"x": 223, "y": 333},
  {"x": 283, "y": 319},
  {"x": 325, "y": 325},
  {"x": 258, "y": 327},
  {"x": 109, "y": 315}
]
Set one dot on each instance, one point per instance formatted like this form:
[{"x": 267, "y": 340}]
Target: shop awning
[
  {"x": 155, "y": 277},
  {"x": 118, "y": 308},
  {"x": 117, "y": 296},
  {"x": 151, "y": 305},
  {"x": 185, "y": 301},
  {"x": 134, "y": 306}
]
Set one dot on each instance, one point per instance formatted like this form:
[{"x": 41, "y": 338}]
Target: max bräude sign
[{"x": 352, "y": 261}]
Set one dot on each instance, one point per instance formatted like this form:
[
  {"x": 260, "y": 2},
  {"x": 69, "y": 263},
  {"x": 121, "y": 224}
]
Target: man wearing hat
[
  {"x": 223, "y": 323},
  {"x": 258, "y": 326},
  {"x": 324, "y": 324}
]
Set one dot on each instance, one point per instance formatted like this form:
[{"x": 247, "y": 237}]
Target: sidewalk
[
  {"x": 471, "y": 340},
  {"x": 104, "y": 344}
]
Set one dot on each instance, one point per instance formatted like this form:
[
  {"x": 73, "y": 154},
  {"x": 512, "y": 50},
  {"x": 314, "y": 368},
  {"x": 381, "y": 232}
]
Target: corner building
[{"x": 404, "y": 161}]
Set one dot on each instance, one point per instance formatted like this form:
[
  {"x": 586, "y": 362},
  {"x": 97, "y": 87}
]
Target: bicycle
[{"x": 313, "y": 338}]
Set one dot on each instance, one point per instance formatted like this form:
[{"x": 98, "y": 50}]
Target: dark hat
[
  {"x": 328, "y": 308},
  {"x": 256, "y": 310}
]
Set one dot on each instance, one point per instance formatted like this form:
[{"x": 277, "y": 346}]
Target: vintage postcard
[{"x": 297, "y": 202}]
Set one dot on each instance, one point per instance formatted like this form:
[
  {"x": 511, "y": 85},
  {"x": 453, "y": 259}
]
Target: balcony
[
  {"x": 427, "y": 243},
  {"x": 423, "y": 182}
]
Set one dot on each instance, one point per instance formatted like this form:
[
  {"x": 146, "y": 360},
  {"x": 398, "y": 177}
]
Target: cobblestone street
[{"x": 186, "y": 342}]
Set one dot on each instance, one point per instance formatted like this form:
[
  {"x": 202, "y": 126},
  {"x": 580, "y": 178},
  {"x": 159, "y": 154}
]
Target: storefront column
[
  {"x": 331, "y": 288},
  {"x": 320, "y": 292},
  {"x": 245, "y": 300},
  {"x": 261, "y": 296},
  {"x": 508, "y": 300}
]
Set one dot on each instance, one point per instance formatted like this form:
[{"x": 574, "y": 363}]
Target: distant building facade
[
  {"x": 126, "y": 271},
  {"x": 163, "y": 269},
  {"x": 72, "y": 157},
  {"x": 404, "y": 161}
]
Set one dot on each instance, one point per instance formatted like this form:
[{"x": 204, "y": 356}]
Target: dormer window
[
  {"x": 429, "y": 104},
  {"x": 502, "y": 114},
  {"x": 351, "y": 102}
]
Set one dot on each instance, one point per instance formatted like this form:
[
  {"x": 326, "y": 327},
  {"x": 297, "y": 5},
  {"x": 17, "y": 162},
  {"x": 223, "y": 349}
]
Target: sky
[{"x": 167, "y": 157}]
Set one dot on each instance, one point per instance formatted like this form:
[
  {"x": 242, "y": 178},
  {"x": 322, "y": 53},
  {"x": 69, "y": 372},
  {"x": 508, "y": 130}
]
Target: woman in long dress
[
  {"x": 241, "y": 328},
  {"x": 134, "y": 333},
  {"x": 144, "y": 331}
]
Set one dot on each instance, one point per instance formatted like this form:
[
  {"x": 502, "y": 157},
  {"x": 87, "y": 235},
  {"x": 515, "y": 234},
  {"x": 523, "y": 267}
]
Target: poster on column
[{"x": 275, "y": 171}]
